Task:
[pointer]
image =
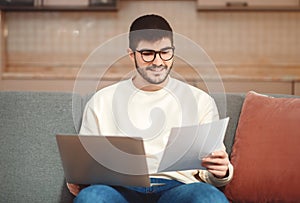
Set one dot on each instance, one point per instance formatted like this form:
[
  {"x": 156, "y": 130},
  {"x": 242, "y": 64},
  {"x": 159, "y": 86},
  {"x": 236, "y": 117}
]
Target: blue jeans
[{"x": 170, "y": 191}]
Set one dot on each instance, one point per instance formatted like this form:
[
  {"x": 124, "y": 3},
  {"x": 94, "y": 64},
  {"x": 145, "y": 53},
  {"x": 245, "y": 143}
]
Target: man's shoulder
[
  {"x": 182, "y": 85},
  {"x": 113, "y": 87},
  {"x": 110, "y": 90}
]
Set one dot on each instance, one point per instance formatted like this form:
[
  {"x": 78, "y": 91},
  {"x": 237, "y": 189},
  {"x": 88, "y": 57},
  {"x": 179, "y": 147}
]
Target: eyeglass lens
[{"x": 149, "y": 55}]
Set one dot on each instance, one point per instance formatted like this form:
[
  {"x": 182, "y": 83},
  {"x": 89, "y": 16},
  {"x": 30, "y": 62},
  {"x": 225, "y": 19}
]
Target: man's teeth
[{"x": 157, "y": 69}]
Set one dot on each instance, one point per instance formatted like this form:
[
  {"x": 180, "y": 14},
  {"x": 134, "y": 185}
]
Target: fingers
[
  {"x": 73, "y": 188},
  {"x": 216, "y": 170},
  {"x": 219, "y": 171},
  {"x": 217, "y": 163},
  {"x": 218, "y": 174},
  {"x": 217, "y": 158},
  {"x": 218, "y": 154}
]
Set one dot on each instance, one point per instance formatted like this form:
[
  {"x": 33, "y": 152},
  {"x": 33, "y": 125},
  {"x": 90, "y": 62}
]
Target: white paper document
[{"x": 188, "y": 145}]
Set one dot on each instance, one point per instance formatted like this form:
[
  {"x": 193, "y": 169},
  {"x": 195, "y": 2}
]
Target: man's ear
[{"x": 130, "y": 54}]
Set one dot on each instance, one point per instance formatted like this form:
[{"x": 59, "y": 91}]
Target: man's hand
[
  {"x": 73, "y": 188},
  {"x": 217, "y": 163}
]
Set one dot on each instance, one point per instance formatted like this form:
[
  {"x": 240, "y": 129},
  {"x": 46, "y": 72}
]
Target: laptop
[{"x": 109, "y": 160}]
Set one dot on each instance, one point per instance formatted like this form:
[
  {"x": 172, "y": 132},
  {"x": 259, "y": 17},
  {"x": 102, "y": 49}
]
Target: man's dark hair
[{"x": 149, "y": 28}]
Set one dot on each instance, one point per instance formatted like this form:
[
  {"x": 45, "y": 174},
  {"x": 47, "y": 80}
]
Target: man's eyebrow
[
  {"x": 146, "y": 49},
  {"x": 169, "y": 47}
]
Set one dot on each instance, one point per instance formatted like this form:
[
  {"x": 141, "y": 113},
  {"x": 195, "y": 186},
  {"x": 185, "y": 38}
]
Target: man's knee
[
  {"x": 204, "y": 192},
  {"x": 99, "y": 193},
  {"x": 194, "y": 192}
]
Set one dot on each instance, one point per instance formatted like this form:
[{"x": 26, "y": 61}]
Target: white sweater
[{"x": 124, "y": 110}]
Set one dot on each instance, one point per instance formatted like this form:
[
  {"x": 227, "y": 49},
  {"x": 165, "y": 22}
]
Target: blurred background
[{"x": 255, "y": 45}]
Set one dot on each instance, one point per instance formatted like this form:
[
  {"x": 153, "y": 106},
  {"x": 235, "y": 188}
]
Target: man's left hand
[{"x": 217, "y": 163}]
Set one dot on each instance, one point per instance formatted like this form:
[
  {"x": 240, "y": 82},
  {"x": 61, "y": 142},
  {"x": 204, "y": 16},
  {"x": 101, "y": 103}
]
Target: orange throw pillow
[{"x": 266, "y": 151}]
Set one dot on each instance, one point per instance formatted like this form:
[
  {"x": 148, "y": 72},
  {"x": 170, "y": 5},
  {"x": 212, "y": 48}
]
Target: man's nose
[{"x": 158, "y": 61}]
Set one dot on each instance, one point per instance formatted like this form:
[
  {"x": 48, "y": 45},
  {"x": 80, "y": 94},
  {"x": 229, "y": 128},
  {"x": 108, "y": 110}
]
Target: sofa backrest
[{"x": 31, "y": 169}]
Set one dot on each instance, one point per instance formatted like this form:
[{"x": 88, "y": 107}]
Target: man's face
[{"x": 154, "y": 68}]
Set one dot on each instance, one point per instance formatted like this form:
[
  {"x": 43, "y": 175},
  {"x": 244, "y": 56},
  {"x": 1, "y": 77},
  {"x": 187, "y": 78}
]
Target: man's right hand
[{"x": 73, "y": 188}]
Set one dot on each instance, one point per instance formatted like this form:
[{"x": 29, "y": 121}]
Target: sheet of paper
[{"x": 188, "y": 145}]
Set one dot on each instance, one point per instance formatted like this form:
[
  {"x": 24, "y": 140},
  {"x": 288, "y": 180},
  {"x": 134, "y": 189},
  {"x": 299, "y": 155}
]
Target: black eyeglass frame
[{"x": 155, "y": 53}]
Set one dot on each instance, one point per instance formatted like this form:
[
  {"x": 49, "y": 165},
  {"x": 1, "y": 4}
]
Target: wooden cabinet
[
  {"x": 297, "y": 88},
  {"x": 245, "y": 86},
  {"x": 58, "y": 5},
  {"x": 248, "y": 5}
]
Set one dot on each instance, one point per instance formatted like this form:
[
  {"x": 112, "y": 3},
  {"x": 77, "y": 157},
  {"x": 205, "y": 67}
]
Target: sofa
[{"x": 31, "y": 169}]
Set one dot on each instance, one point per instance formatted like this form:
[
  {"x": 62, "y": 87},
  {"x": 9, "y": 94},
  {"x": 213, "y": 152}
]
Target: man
[{"x": 151, "y": 49}]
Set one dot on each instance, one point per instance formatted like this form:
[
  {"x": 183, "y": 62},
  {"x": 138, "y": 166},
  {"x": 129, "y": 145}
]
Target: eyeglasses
[{"x": 149, "y": 55}]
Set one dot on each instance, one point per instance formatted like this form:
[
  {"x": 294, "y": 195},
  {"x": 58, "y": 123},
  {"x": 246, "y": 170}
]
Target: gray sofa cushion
[
  {"x": 31, "y": 169},
  {"x": 232, "y": 105}
]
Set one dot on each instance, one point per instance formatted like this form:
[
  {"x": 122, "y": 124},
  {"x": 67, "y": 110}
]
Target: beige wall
[
  {"x": 228, "y": 37},
  {"x": 65, "y": 39},
  {"x": 1, "y": 44}
]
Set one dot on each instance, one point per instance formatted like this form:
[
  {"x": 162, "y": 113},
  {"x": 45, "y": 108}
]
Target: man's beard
[{"x": 157, "y": 80}]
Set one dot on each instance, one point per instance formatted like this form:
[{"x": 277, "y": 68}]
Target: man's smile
[{"x": 157, "y": 69}]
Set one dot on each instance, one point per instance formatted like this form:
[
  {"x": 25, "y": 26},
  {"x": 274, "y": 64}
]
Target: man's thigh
[
  {"x": 115, "y": 194},
  {"x": 192, "y": 193}
]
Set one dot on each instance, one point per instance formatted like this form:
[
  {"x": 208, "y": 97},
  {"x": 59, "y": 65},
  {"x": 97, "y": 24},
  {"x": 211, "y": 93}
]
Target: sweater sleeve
[
  {"x": 90, "y": 123},
  {"x": 207, "y": 177},
  {"x": 209, "y": 111}
]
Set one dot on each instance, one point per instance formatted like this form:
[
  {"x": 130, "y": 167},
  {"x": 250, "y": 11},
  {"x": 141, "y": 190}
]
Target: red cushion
[{"x": 266, "y": 151}]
